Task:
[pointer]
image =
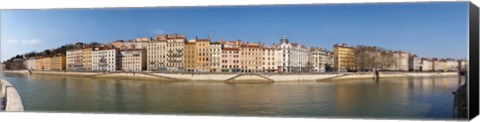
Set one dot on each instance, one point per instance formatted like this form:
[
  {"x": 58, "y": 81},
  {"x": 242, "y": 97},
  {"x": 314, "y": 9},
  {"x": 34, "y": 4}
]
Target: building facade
[
  {"x": 190, "y": 55},
  {"x": 216, "y": 56},
  {"x": 401, "y": 61},
  {"x": 87, "y": 58},
  {"x": 43, "y": 63},
  {"x": 427, "y": 65},
  {"x": 231, "y": 56},
  {"x": 270, "y": 59},
  {"x": 251, "y": 57},
  {"x": 294, "y": 57},
  {"x": 58, "y": 63},
  {"x": 30, "y": 64},
  {"x": 414, "y": 63},
  {"x": 202, "y": 55},
  {"x": 174, "y": 51},
  {"x": 344, "y": 57},
  {"x": 319, "y": 59},
  {"x": 133, "y": 60},
  {"x": 106, "y": 60},
  {"x": 156, "y": 55},
  {"x": 439, "y": 65}
]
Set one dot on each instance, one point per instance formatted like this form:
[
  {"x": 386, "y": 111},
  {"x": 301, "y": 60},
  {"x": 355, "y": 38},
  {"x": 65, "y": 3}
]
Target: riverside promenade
[
  {"x": 10, "y": 100},
  {"x": 238, "y": 77}
]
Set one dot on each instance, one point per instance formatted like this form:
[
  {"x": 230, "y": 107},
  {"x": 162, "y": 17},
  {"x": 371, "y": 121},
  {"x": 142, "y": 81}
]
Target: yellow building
[
  {"x": 251, "y": 57},
  {"x": 202, "y": 54},
  {"x": 43, "y": 64},
  {"x": 344, "y": 57},
  {"x": 190, "y": 55},
  {"x": 87, "y": 58},
  {"x": 58, "y": 62}
]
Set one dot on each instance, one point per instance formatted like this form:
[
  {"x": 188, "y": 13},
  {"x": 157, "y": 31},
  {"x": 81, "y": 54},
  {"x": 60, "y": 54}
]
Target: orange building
[
  {"x": 202, "y": 54},
  {"x": 190, "y": 55},
  {"x": 43, "y": 63},
  {"x": 251, "y": 57},
  {"x": 58, "y": 62}
]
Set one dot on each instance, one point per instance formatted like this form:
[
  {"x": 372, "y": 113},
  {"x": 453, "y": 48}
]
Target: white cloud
[{"x": 24, "y": 42}]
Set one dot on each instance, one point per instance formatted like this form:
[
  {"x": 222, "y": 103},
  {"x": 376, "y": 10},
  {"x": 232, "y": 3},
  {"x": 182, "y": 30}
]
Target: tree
[{"x": 369, "y": 58}]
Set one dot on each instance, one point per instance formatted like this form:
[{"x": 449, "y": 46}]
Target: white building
[
  {"x": 414, "y": 63},
  {"x": 401, "y": 61},
  {"x": 175, "y": 51},
  {"x": 30, "y": 63},
  {"x": 106, "y": 60},
  {"x": 156, "y": 55},
  {"x": 133, "y": 60},
  {"x": 439, "y": 65},
  {"x": 451, "y": 65},
  {"x": 216, "y": 56},
  {"x": 271, "y": 59},
  {"x": 427, "y": 65},
  {"x": 74, "y": 59},
  {"x": 319, "y": 59},
  {"x": 294, "y": 57}
]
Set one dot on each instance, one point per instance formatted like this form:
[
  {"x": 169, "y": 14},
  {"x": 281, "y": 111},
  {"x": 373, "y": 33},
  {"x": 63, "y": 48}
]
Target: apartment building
[
  {"x": 43, "y": 63},
  {"x": 251, "y": 57},
  {"x": 270, "y": 59},
  {"x": 231, "y": 56},
  {"x": 133, "y": 60},
  {"x": 319, "y": 59},
  {"x": 87, "y": 58},
  {"x": 58, "y": 62},
  {"x": 202, "y": 55},
  {"x": 156, "y": 54},
  {"x": 344, "y": 57},
  {"x": 174, "y": 51},
  {"x": 30, "y": 63},
  {"x": 106, "y": 59},
  {"x": 216, "y": 56},
  {"x": 190, "y": 55}
]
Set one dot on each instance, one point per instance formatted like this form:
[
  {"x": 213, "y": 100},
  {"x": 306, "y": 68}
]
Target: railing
[{"x": 11, "y": 96}]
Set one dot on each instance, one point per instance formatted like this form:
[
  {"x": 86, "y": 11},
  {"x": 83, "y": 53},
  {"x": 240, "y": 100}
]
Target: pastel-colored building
[
  {"x": 87, "y": 58},
  {"x": 271, "y": 59},
  {"x": 319, "y": 59},
  {"x": 401, "y": 61},
  {"x": 231, "y": 56},
  {"x": 156, "y": 54},
  {"x": 451, "y": 65},
  {"x": 414, "y": 63},
  {"x": 106, "y": 60},
  {"x": 30, "y": 63},
  {"x": 439, "y": 65},
  {"x": 344, "y": 57},
  {"x": 58, "y": 62},
  {"x": 190, "y": 55},
  {"x": 202, "y": 55},
  {"x": 426, "y": 64},
  {"x": 43, "y": 63},
  {"x": 216, "y": 56},
  {"x": 174, "y": 50},
  {"x": 251, "y": 57},
  {"x": 133, "y": 60},
  {"x": 74, "y": 60}
]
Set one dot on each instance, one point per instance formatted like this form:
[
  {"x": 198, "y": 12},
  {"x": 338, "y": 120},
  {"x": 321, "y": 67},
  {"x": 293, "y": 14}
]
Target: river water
[{"x": 397, "y": 98}]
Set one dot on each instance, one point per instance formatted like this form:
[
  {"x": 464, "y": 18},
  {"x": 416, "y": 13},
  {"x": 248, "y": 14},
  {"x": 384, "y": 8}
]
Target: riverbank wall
[
  {"x": 10, "y": 96},
  {"x": 239, "y": 77}
]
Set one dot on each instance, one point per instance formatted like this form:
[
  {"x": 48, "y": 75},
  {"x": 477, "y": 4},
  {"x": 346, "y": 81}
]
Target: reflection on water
[{"x": 427, "y": 98}]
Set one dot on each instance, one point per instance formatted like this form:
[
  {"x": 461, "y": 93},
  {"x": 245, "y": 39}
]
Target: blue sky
[{"x": 425, "y": 29}]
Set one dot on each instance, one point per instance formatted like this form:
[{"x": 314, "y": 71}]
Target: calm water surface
[{"x": 413, "y": 98}]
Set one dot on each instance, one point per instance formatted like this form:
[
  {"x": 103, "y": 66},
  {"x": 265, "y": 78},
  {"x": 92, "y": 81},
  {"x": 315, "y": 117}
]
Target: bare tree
[{"x": 369, "y": 58}]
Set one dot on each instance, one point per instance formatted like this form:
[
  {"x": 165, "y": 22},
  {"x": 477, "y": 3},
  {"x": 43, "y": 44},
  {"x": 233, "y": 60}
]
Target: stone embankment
[
  {"x": 240, "y": 77},
  {"x": 9, "y": 97}
]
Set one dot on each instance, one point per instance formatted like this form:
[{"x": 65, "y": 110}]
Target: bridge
[{"x": 10, "y": 100}]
